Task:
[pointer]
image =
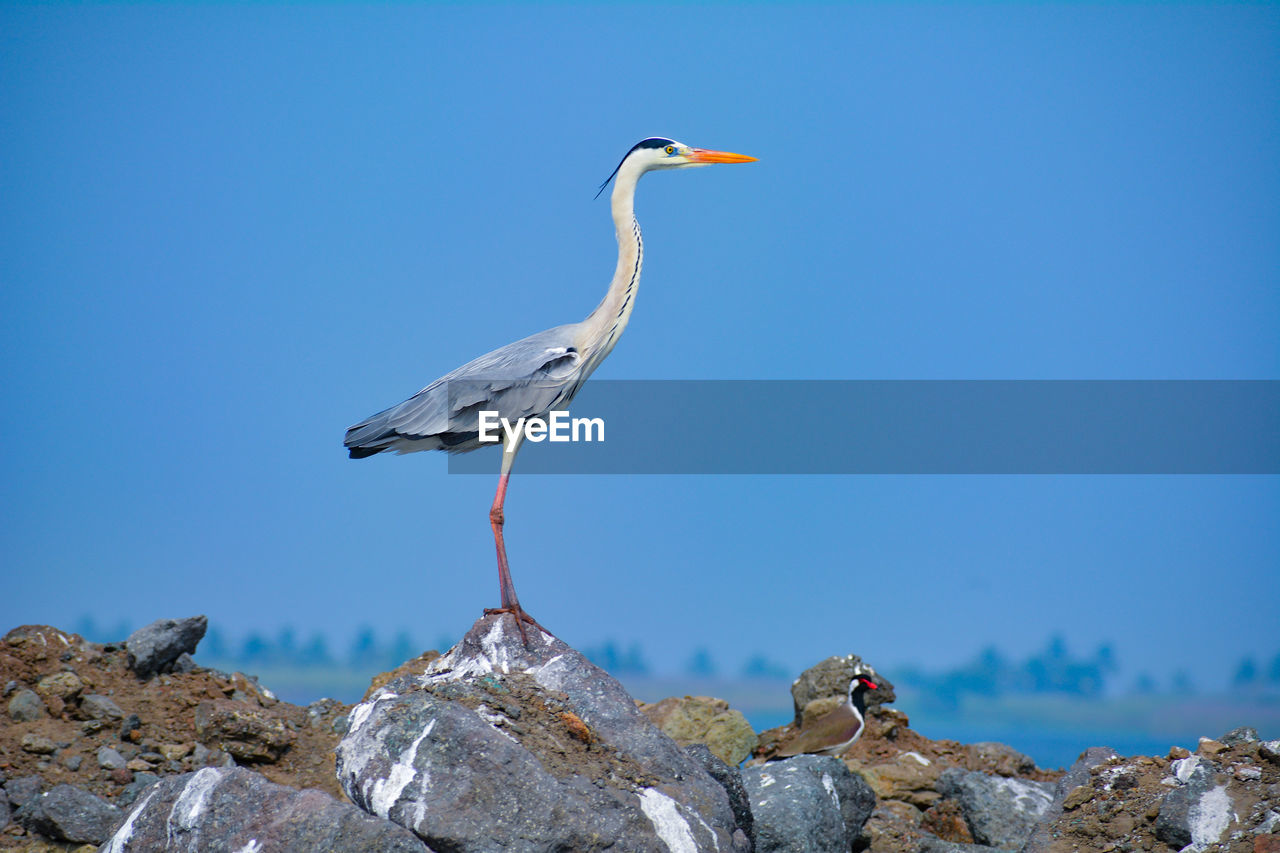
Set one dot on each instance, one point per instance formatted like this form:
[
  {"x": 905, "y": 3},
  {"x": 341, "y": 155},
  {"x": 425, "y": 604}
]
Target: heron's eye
[{"x": 671, "y": 149}]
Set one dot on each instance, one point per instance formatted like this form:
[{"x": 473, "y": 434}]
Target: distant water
[{"x": 1050, "y": 749}]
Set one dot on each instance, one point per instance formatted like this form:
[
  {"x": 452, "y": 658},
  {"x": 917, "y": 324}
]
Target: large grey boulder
[
  {"x": 1195, "y": 815},
  {"x": 67, "y": 813},
  {"x": 503, "y": 746},
  {"x": 156, "y": 647},
  {"x": 809, "y": 804},
  {"x": 1000, "y": 812},
  {"x": 233, "y": 809},
  {"x": 730, "y": 778},
  {"x": 1041, "y": 837}
]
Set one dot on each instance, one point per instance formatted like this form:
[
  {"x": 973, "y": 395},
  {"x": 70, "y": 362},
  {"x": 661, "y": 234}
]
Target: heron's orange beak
[{"x": 702, "y": 155}]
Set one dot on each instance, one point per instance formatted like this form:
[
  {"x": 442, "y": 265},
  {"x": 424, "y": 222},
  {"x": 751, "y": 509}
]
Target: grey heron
[{"x": 538, "y": 374}]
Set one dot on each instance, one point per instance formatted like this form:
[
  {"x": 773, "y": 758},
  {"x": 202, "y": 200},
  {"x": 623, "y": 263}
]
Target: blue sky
[{"x": 227, "y": 232}]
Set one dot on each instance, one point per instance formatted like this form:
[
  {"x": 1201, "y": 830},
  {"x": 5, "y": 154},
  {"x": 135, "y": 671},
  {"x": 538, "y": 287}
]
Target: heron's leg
[{"x": 506, "y": 589}]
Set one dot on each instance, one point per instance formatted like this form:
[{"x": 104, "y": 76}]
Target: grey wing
[{"x": 522, "y": 379}]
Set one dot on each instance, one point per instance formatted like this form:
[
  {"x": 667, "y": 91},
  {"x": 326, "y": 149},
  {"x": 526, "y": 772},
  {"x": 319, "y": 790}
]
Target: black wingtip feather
[{"x": 363, "y": 452}]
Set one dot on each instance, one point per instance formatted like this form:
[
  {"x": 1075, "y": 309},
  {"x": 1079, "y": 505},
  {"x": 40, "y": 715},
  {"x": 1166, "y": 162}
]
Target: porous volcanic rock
[
  {"x": 234, "y": 809},
  {"x": 506, "y": 746},
  {"x": 705, "y": 720}
]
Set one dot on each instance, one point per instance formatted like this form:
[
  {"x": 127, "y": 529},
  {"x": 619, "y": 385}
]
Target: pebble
[
  {"x": 37, "y": 744},
  {"x": 1078, "y": 797},
  {"x": 129, "y": 729},
  {"x": 101, "y": 707},
  {"x": 174, "y": 751},
  {"x": 122, "y": 775},
  {"x": 1176, "y": 752},
  {"x": 25, "y": 706},
  {"x": 73, "y": 762},
  {"x": 109, "y": 759},
  {"x": 137, "y": 765},
  {"x": 1209, "y": 746},
  {"x": 64, "y": 685}
]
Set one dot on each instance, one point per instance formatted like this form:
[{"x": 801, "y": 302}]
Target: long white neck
[{"x": 604, "y": 326}]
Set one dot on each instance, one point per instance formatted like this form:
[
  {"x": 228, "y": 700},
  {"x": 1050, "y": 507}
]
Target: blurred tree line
[{"x": 1054, "y": 669}]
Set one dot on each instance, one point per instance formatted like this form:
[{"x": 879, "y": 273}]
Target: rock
[
  {"x": 234, "y": 809},
  {"x": 38, "y": 744},
  {"x": 701, "y": 719},
  {"x": 997, "y": 758},
  {"x": 248, "y": 733},
  {"x": 130, "y": 729},
  {"x": 23, "y": 789},
  {"x": 1244, "y": 734},
  {"x": 1000, "y": 812},
  {"x": 132, "y": 790},
  {"x": 413, "y": 666},
  {"x": 827, "y": 682},
  {"x": 946, "y": 820},
  {"x": 4, "y": 808},
  {"x": 26, "y": 706},
  {"x": 174, "y": 751},
  {"x": 63, "y": 685},
  {"x": 809, "y": 803},
  {"x": 903, "y": 779},
  {"x": 1198, "y": 812},
  {"x": 97, "y": 707},
  {"x": 1270, "y": 750},
  {"x": 1209, "y": 746},
  {"x": 1077, "y": 776},
  {"x": 110, "y": 759},
  {"x": 506, "y": 746},
  {"x": 66, "y": 813},
  {"x": 73, "y": 762},
  {"x": 155, "y": 647},
  {"x": 730, "y": 778},
  {"x": 1078, "y": 797}
]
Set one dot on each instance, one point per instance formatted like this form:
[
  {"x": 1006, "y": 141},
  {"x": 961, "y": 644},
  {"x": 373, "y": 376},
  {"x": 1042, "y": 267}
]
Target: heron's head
[{"x": 658, "y": 152}]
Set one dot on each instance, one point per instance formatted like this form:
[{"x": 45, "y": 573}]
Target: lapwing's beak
[
  {"x": 703, "y": 155},
  {"x": 870, "y": 684}
]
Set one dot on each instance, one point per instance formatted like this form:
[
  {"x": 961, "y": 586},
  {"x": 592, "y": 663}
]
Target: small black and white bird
[{"x": 836, "y": 730}]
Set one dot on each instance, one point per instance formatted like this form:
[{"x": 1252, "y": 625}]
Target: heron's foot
[{"x": 521, "y": 618}]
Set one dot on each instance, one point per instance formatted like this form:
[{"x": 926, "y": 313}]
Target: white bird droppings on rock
[
  {"x": 125, "y": 832},
  {"x": 1184, "y": 767},
  {"x": 1209, "y": 818},
  {"x": 668, "y": 823},
  {"x": 386, "y": 791},
  {"x": 191, "y": 801}
]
